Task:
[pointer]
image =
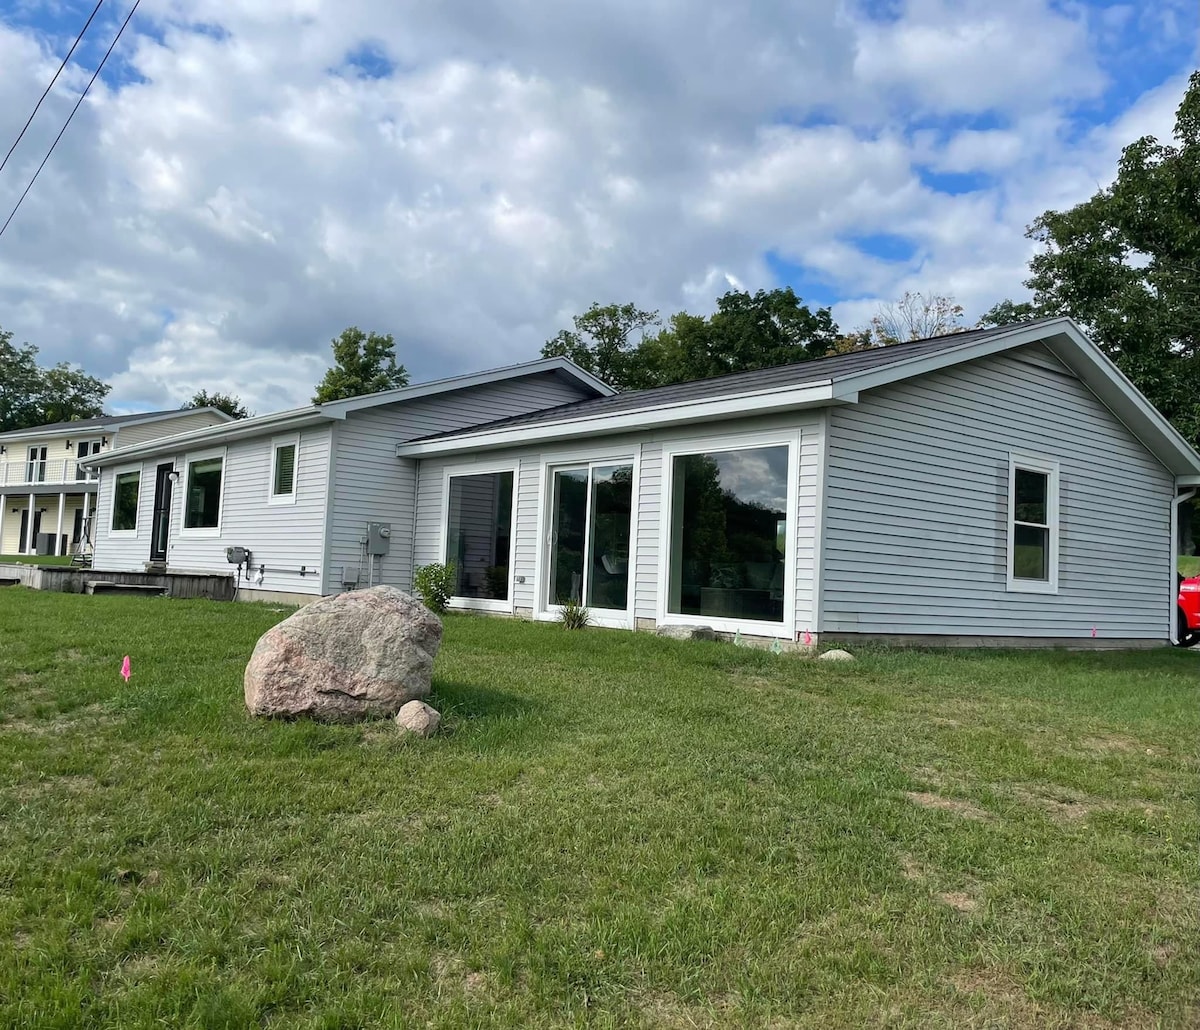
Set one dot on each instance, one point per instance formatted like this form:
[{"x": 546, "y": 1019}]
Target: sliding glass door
[{"x": 591, "y": 509}]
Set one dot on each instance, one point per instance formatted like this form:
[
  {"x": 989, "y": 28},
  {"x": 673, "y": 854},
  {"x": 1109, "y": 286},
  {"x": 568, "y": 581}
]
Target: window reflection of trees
[{"x": 728, "y": 544}]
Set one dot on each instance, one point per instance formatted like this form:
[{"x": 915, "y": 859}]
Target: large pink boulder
[{"x": 344, "y": 658}]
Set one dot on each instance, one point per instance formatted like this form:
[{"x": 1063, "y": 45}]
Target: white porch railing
[{"x": 51, "y": 472}]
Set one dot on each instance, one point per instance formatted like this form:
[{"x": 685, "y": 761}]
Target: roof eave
[
  {"x": 213, "y": 435},
  {"x": 466, "y": 382},
  {"x": 654, "y": 416}
]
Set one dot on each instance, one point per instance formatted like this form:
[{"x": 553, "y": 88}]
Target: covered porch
[{"x": 47, "y": 521}]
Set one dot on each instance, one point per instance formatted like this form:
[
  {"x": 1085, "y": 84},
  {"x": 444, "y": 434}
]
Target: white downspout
[{"x": 1179, "y": 499}]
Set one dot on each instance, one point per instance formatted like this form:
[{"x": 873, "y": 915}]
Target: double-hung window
[
  {"x": 202, "y": 498},
  {"x": 1032, "y": 524},
  {"x": 126, "y": 489}
]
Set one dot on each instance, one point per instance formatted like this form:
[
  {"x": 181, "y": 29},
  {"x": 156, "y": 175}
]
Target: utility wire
[
  {"x": 37, "y": 106},
  {"x": 95, "y": 75}
]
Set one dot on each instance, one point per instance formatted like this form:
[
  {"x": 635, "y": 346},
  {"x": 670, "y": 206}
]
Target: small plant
[
  {"x": 574, "y": 615},
  {"x": 435, "y": 584}
]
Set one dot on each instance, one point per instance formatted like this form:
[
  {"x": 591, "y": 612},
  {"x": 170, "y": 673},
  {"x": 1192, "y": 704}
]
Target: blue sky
[{"x": 247, "y": 180}]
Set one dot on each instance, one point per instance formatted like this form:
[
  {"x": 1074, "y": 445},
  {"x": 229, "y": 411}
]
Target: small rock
[
  {"x": 836, "y": 655},
  {"x": 686, "y": 632},
  {"x": 417, "y": 717}
]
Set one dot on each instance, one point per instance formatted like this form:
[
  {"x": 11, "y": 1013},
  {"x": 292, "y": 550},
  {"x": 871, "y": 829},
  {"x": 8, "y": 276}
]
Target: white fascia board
[
  {"x": 1097, "y": 371},
  {"x": 465, "y": 382},
  {"x": 212, "y": 436},
  {"x": 1187, "y": 481},
  {"x": 105, "y": 428},
  {"x": 760, "y": 403}
]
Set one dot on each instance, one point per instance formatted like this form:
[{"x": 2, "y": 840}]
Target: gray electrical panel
[
  {"x": 379, "y": 535},
  {"x": 350, "y": 575}
]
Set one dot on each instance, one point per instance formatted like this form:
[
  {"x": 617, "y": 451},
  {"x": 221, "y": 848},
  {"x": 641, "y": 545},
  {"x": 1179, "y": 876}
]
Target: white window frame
[
  {"x": 272, "y": 496},
  {"x": 785, "y": 629},
  {"x": 551, "y": 462},
  {"x": 188, "y": 461},
  {"x": 125, "y": 534},
  {"x": 481, "y": 604},
  {"x": 1050, "y": 469}
]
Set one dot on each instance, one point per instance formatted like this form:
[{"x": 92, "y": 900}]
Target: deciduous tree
[
  {"x": 1125, "y": 264},
  {"x": 32, "y": 396},
  {"x": 226, "y": 402},
  {"x": 363, "y": 363},
  {"x": 915, "y": 316}
]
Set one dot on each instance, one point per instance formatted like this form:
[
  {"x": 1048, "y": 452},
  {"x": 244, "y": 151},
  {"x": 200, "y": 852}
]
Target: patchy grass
[
  {"x": 617, "y": 831},
  {"x": 35, "y": 559},
  {"x": 1189, "y": 565}
]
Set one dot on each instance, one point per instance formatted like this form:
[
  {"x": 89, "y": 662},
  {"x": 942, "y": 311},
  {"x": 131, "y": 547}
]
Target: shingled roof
[{"x": 797, "y": 374}]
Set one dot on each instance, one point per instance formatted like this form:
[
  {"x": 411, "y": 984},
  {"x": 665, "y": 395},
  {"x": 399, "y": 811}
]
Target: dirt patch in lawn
[
  {"x": 960, "y": 901},
  {"x": 1064, "y": 805},
  {"x": 937, "y": 802},
  {"x": 450, "y": 971},
  {"x": 997, "y": 999},
  {"x": 88, "y": 718}
]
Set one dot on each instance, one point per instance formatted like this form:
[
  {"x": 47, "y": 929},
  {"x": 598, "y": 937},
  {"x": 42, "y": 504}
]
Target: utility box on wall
[{"x": 379, "y": 535}]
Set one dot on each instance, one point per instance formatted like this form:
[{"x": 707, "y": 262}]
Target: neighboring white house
[
  {"x": 47, "y": 496},
  {"x": 1004, "y": 485}
]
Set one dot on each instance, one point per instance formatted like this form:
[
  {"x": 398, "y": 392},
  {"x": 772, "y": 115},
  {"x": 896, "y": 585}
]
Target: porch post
[
  {"x": 3, "y": 509},
  {"x": 62, "y": 503},
  {"x": 84, "y": 527},
  {"x": 27, "y": 547}
]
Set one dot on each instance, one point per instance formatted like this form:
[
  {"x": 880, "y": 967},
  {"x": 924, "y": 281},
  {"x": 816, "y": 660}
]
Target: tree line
[{"x": 1125, "y": 264}]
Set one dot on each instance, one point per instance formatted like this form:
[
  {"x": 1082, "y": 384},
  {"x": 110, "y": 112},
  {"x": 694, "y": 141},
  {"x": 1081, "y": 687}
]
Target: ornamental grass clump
[{"x": 574, "y": 615}]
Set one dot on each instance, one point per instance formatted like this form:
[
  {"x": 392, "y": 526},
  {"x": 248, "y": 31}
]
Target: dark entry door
[
  {"x": 161, "y": 524},
  {"x": 32, "y": 537}
]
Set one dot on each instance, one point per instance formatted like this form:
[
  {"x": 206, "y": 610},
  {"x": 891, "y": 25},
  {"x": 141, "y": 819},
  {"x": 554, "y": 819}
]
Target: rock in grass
[
  {"x": 686, "y": 632},
  {"x": 353, "y": 656},
  {"x": 417, "y": 717},
  {"x": 836, "y": 655}
]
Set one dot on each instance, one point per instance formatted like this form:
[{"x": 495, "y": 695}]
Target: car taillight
[{"x": 1190, "y": 588}]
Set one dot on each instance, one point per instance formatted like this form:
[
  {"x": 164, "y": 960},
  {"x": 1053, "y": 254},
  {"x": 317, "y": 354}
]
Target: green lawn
[
  {"x": 1189, "y": 565},
  {"x": 34, "y": 559},
  {"x": 617, "y": 831}
]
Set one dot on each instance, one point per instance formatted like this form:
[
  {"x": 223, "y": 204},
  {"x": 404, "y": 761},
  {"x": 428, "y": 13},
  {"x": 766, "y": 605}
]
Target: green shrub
[
  {"x": 574, "y": 615},
  {"x": 435, "y": 584}
]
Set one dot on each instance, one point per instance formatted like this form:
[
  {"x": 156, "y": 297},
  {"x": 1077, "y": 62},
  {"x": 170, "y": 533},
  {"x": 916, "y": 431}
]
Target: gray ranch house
[{"x": 1003, "y": 486}]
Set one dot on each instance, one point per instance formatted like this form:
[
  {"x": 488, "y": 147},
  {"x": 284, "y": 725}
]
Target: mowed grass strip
[{"x": 617, "y": 830}]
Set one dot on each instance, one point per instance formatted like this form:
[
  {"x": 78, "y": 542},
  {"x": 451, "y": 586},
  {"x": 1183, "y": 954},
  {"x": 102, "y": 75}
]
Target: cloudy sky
[{"x": 247, "y": 179}]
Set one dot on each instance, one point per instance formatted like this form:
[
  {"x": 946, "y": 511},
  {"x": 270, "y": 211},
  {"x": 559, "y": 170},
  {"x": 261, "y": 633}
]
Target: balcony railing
[{"x": 51, "y": 472}]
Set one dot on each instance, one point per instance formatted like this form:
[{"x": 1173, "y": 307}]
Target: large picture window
[
  {"x": 126, "y": 487},
  {"x": 590, "y": 528},
  {"x": 1033, "y": 525},
  {"x": 479, "y": 534},
  {"x": 728, "y": 534},
  {"x": 202, "y": 505}
]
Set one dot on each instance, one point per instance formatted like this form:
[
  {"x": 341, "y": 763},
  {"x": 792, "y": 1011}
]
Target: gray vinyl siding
[
  {"x": 283, "y": 537},
  {"x": 372, "y": 485},
  {"x": 184, "y": 422},
  {"x": 647, "y": 448},
  {"x": 916, "y": 508}
]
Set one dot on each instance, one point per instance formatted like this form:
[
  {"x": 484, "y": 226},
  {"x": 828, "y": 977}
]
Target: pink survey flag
[{"x": 125, "y": 668}]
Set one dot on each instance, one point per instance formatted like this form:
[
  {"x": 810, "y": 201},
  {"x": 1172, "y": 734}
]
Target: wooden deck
[{"x": 68, "y": 580}]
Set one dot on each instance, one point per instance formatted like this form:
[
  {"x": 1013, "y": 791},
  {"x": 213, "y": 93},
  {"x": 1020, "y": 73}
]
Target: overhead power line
[
  {"x": 38, "y": 105},
  {"x": 95, "y": 75}
]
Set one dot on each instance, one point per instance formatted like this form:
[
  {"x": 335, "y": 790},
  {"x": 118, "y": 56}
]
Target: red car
[{"x": 1189, "y": 612}]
